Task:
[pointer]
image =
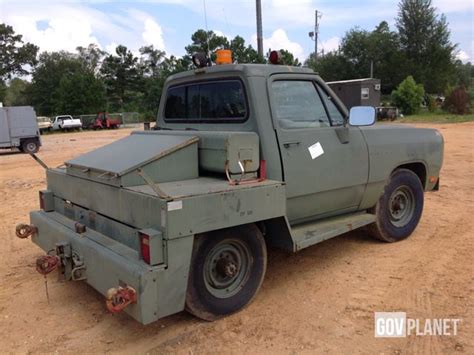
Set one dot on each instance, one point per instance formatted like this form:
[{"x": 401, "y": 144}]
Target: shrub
[
  {"x": 408, "y": 96},
  {"x": 458, "y": 101}
]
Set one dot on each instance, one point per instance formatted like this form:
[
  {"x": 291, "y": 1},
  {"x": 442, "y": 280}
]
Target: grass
[{"x": 436, "y": 117}]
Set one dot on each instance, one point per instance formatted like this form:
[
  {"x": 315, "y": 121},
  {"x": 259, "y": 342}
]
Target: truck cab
[
  {"x": 241, "y": 157},
  {"x": 304, "y": 133}
]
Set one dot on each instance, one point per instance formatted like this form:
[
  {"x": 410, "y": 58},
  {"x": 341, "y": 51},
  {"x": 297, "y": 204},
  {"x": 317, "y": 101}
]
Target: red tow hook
[
  {"x": 119, "y": 298},
  {"x": 46, "y": 263},
  {"x": 23, "y": 231}
]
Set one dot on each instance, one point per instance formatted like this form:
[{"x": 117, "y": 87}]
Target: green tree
[
  {"x": 173, "y": 65},
  {"x": 123, "y": 76},
  {"x": 464, "y": 75},
  {"x": 63, "y": 83},
  {"x": 14, "y": 54},
  {"x": 332, "y": 67},
  {"x": 16, "y": 93},
  {"x": 287, "y": 58},
  {"x": 153, "y": 63},
  {"x": 425, "y": 41},
  {"x": 361, "y": 49},
  {"x": 207, "y": 43},
  {"x": 152, "y": 60},
  {"x": 242, "y": 53},
  {"x": 91, "y": 56},
  {"x": 3, "y": 90},
  {"x": 46, "y": 78},
  {"x": 408, "y": 96},
  {"x": 80, "y": 92}
]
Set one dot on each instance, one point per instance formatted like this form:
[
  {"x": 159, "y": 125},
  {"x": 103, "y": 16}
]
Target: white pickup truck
[{"x": 66, "y": 122}]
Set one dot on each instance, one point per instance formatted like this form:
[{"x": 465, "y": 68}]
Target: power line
[{"x": 207, "y": 29}]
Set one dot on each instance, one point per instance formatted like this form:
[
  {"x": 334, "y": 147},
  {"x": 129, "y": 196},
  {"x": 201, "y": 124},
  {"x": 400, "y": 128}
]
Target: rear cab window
[{"x": 207, "y": 102}]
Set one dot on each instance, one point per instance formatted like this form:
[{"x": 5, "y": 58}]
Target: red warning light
[{"x": 274, "y": 57}]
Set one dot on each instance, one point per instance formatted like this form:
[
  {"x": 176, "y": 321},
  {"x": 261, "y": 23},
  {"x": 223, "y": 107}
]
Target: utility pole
[
  {"x": 316, "y": 30},
  {"x": 314, "y": 34},
  {"x": 259, "y": 28}
]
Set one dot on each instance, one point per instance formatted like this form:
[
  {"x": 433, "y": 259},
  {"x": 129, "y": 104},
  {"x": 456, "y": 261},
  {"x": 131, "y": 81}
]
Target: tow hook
[
  {"x": 46, "y": 263},
  {"x": 119, "y": 298},
  {"x": 23, "y": 231}
]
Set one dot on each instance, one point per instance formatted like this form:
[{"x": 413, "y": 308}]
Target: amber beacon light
[{"x": 224, "y": 56}]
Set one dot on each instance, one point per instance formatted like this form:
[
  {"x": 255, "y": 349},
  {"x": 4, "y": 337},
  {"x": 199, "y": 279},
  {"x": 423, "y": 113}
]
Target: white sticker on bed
[
  {"x": 316, "y": 150},
  {"x": 175, "y": 205}
]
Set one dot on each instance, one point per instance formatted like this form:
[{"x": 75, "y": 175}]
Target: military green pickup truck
[{"x": 242, "y": 157}]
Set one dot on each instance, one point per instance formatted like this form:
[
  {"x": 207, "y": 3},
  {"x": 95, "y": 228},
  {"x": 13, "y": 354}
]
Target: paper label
[
  {"x": 175, "y": 205},
  {"x": 316, "y": 150}
]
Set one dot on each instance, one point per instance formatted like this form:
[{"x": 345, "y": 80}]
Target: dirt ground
[{"x": 319, "y": 300}]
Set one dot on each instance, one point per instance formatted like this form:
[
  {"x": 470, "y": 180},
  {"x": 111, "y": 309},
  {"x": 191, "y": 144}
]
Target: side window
[
  {"x": 337, "y": 118},
  {"x": 298, "y": 105},
  {"x": 207, "y": 101}
]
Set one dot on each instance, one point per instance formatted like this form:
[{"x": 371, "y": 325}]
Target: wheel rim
[
  {"x": 226, "y": 268},
  {"x": 30, "y": 147},
  {"x": 401, "y": 206}
]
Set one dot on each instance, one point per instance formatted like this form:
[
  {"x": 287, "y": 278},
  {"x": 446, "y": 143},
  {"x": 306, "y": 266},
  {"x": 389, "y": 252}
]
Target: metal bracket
[
  {"x": 63, "y": 252},
  {"x": 103, "y": 175},
  {"x": 77, "y": 273},
  {"x": 71, "y": 264},
  {"x": 241, "y": 181},
  {"x": 39, "y": 161},
  {"x": 153, "y": 185}
]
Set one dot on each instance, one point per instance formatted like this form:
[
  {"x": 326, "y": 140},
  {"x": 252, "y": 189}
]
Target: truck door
[{"x": 325, "y": 165}]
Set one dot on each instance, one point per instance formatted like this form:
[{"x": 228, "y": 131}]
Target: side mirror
[{"x": 362, "y": 116}]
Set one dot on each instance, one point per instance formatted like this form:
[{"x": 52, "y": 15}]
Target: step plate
[{"x": 309, "y": 234}]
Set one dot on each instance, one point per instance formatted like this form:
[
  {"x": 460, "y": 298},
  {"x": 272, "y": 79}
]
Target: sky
[{"x": 169, "y": 24}]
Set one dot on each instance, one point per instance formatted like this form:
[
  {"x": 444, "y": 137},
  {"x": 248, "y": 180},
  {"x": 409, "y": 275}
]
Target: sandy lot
[{"x": 319, "y": 300}]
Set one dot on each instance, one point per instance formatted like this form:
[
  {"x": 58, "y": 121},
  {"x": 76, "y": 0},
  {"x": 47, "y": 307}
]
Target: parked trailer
[{"x": 19, "y": 129}]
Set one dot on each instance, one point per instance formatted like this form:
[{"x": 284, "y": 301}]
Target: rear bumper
[{"x": 108, "y": 263}]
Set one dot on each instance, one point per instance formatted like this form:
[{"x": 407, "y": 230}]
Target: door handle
[{"x": 289, "y": 144}]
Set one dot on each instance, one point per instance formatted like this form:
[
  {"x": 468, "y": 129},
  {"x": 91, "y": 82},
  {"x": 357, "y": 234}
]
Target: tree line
[{"x": 91, "y": 80}]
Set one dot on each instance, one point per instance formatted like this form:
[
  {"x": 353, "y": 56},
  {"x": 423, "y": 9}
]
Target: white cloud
[
  {"x": 66, "y": 25},
  {"x": 153, "y": 34},
  {"x": 279, "y": 40},
  {"x": 330, "y": 44},
  {"x": 222, "y": 34},
  {"x": 111, "y": 47},
  {"x": 463, "y": 56},
  {"x": 61, "y": 33},
  {"x": 448, "y": 6}
]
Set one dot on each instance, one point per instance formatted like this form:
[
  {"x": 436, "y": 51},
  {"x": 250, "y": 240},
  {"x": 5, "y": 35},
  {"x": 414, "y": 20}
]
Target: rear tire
[
  {"x": 399, "y": 209},
  {"x": 227, "y": 270},
  {"x": 30, "y": 146}
]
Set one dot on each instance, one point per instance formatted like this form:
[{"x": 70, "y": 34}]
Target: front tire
[
  {"x": 227, "y": 270},
  {"x": 399, "y": 209}
]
